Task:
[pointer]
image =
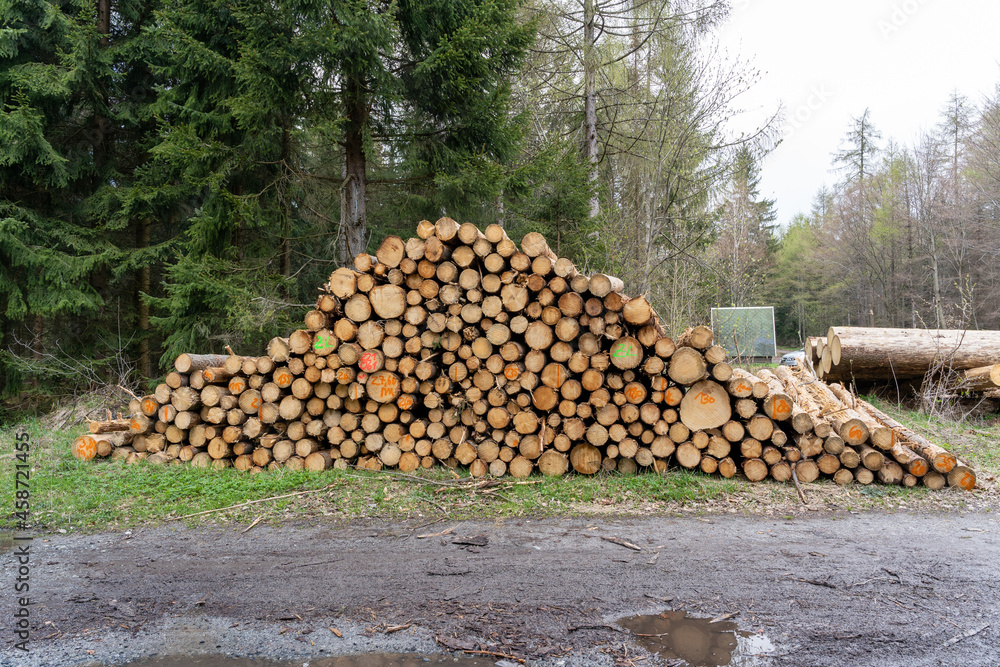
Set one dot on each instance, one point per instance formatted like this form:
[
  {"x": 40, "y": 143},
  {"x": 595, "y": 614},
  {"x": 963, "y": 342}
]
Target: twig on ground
[
  {"x": 495, "y": 654},
  {"x": 798, "y": 487},
  {"x": 446, "y": 531},
  {"x": 597, "y": 627},
  {"x": 965, "y": 635},
  {"x": 253, "y": 502},
  {"x": 255, "y": 522},
  {"x": 622, "y": 543}
]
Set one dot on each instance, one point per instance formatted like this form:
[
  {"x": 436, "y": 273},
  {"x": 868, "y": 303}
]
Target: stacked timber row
[
  {"x": 868, "y": 444},
  {"x": 970, "y": 358},
  {"x": 458, "y": 347}
]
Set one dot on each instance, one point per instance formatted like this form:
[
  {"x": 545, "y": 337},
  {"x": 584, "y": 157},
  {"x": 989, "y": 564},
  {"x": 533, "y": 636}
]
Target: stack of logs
[{"x": 457, "y": 347}]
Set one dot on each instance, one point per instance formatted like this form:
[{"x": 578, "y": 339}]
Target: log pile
[
  {"x": 872, "y": 354},
  {"x": 458, "y": 347}
]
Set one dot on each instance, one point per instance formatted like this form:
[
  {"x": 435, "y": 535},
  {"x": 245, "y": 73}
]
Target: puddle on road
[
  {"x": 365, "y": 660},
  {"x": 698, "y": 641}
]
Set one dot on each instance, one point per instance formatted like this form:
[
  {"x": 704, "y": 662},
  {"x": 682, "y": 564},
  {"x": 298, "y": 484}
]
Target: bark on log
[
  {"x": 940, "y": 459},
  {"x": 884, "y": 354},
  {"x": 986, "y": 378},
  {"x": 185, "y": 363}
]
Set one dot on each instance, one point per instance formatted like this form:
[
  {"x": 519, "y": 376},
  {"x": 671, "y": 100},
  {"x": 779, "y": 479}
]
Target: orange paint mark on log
[
  {"x": 135, "y": 425},
  {"x": 781, "y": 407},
  {"x": 511, "y": 372},
  {"x": 405, "y": 402},
  {"x": 742, "y": 387},
  {"x": 855, "y": 433},
  {"x": 967, "y": 481},
  {"x": 944, "y": 462},
  {"x": 634, "y": 393},
  {"x": 704, "y": 398},
  {"x": 149, "y": 406},
  {"x": 387, "y": 384},
  {"x": 84, "y": 448}
]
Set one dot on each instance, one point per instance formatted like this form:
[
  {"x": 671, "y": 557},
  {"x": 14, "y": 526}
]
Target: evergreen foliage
[{"x": 179, "y": 176}]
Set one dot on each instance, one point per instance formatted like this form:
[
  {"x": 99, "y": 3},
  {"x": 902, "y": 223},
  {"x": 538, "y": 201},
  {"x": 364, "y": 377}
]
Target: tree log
[
  {"x": 940, "y": 459},
  {"x": 884, "y": 354},
  {"x": 185, "y": 363},
  {"x": 705, "y": 405}
]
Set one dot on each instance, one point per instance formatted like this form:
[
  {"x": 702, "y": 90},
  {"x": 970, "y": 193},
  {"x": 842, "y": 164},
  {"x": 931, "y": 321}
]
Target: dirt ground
[{"x": 826, "y": 588}]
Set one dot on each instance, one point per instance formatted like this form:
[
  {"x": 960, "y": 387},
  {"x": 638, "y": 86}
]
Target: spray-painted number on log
[
  {"x": 405, "y": 402},
  {"x": 855, "y": 433},
  {"x": 781, "y": 407},
  {"x": 743, "y": 387},
  {"x": 368, "y": 362},
  {"x": 622, "y": 351},
  {"x": 635, "y": 393},
  {"x": 386, "y": 384},
  {"x": 704, "y": 398},
  {"x": 323, "y": 343}
]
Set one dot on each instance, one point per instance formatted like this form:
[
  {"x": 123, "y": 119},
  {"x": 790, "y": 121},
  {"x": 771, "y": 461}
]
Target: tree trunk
[
  {"x": 354, "y": 190},
  {"x": 145, "y": 278},
  {"x": 590, "y": 101}
]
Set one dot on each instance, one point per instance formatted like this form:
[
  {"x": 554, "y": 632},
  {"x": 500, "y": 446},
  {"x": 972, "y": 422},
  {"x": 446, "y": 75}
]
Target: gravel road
[{"x": 824, "y": 588}]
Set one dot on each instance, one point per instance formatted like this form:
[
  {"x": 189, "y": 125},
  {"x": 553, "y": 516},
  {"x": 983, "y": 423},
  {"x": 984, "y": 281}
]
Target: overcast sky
[{"x": 827, "y": 61}]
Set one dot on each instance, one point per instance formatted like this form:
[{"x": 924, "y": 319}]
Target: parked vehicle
[{"x": 792, "y": 358}]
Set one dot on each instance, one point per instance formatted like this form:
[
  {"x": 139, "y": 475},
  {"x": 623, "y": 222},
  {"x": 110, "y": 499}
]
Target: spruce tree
[{"x": 53, "y": 74}]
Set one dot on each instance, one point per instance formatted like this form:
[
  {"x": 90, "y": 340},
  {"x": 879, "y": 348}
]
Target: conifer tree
[{"x": 53, "y": 74}]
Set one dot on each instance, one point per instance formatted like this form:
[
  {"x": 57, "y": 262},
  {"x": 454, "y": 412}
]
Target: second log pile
[
  {"x": 458, "y": 347},
  {"x": 968, "y": 361}
]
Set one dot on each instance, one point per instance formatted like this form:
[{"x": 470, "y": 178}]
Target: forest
[{"x": 181, "y": 176}]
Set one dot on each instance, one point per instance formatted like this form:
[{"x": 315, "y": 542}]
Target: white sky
[{"x": 826, "y": 61}]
